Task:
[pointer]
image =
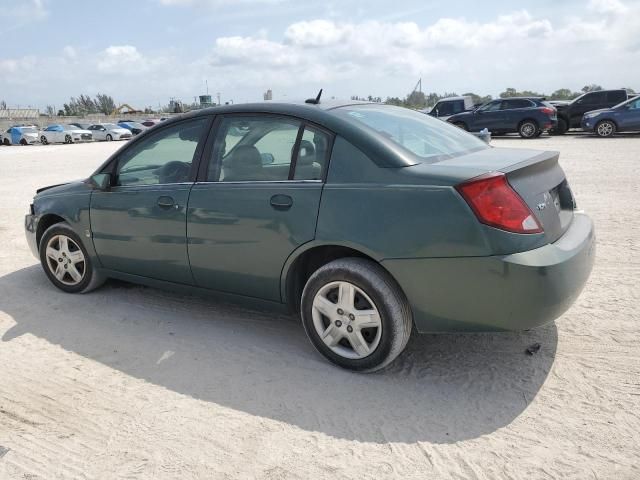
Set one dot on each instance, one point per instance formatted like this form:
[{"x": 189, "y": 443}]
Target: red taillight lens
[
  {"x": 548, "y": 110},
  {"x": 496, "y": 204}
]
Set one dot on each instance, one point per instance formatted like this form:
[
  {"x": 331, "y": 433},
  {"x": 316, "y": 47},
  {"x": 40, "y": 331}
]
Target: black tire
[
  {"x": 539, "y": 133},
  {"x": 44, "y": 140},
  {"x": 109, "y": 138},
  {"x": 461, "y": 125},
  {"x": 386, "y": 296},
  {"x": 7, "y": 142},
  {"x": 605, "y": 128},
  {"x": 68, "y": 139},
  {"x": 561, "y": 128},
  {"x": 528, "y": 129},
  {"x": 91, "y": 279},
  {"x": 23, "y": 142}
]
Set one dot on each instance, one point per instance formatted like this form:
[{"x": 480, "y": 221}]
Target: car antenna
[{"x": 314, "y": 101}]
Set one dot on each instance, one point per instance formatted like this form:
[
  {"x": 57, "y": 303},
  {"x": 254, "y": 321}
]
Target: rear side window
[
  {"x": 262, "y": 148},
  {"x": 519, "y": 103},
  {"x": 426, "y": 137},
  {"x": 616, "y": 96}
]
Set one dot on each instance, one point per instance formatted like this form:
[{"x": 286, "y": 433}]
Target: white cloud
[{"x": 608, "y": 6}]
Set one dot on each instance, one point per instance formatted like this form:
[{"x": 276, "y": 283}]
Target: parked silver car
[{"x": 109, "y": 131}]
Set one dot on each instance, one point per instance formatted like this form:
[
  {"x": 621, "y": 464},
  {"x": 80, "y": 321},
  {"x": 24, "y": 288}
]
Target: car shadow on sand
[{"x": 443, "y": 389}]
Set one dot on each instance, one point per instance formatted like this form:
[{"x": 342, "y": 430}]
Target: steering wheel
[{"x": 173, "y": 172}]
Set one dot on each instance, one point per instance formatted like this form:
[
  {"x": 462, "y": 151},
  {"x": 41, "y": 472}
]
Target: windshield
[
  {"x": 426, "y": 137},
  {"x": 69, "y": 127},
  {"x": 631, "y": 100}
]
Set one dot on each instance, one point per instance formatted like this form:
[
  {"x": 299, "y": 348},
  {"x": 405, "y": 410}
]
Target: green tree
[
  {"x": 416, "y": 99},
  {"x": 104, "y": 103},
  {"x": 591, "y": 88},
  {"x": 509, "y": 92},
  {"x": 563, "y": 94},
  {"x": 394, "y": 101}
]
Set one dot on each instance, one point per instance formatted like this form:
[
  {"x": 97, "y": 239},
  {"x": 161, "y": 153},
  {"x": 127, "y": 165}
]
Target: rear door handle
[
  {"x": 281, "y": 202},
  {"x": 166, "y": 202}
]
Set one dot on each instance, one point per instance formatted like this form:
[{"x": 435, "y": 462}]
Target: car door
[
  {"x": 628, "y": 116},
  {"x": 514, "y": 111},
  {"x": 99, "y": 132},
  {"x": 591, "y": 101},
  {"x": 256, "y": 203},
  {"x": 488, "y": 116},
  {"x": 139, "y": 224}
]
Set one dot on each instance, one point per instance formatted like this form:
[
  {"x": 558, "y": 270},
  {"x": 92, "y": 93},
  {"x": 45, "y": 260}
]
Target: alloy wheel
[
  {"x": 605, "y": 129},
  {"x": 65, "y": 260},
  {"x": 346, "y": 320},
  {"x": 528, "y": 130}
]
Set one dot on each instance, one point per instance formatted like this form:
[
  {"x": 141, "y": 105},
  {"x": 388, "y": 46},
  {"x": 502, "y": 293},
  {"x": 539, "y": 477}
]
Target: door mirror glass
[
  {"x": 101, "y": 181},
  {"x": 267, "y": 158}
]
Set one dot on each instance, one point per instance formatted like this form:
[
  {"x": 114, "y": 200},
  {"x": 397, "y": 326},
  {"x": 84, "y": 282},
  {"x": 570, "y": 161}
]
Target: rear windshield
[{"x": 429, "y": 139}]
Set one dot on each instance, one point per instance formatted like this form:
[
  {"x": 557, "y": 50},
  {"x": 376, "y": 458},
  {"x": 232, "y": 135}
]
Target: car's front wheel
[
  {"x": 355, "y": 314},
  {"x": 66, "y": 262},
  {"x": 109, "y": 138},
  {"x": 44, "y": 140},
  {"x": 561, "y": 128},
  {"x": 605, "y": 128}
]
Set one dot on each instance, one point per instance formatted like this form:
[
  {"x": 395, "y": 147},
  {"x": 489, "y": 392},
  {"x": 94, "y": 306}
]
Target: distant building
[
  {"x": 205, "y": 101},
  {"x": 268, "y": 95}
]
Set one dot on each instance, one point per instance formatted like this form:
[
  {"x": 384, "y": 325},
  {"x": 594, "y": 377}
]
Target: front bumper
[
  {"x": 30, "y": 230},
  {"x": 588, "y": 124},
  {"x": 508, "y": 292}
]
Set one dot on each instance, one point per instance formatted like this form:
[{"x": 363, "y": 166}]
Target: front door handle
[
  {"x": 166, "y": 202},
  {"x": 281, "y": 202}
]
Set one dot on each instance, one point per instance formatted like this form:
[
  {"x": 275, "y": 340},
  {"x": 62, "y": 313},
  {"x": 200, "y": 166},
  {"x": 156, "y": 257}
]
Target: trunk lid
[{"x": 535, "y": 175}]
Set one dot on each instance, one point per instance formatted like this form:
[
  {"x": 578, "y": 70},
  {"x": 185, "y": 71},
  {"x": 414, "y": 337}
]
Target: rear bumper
[{"x": 509, "y": 292}]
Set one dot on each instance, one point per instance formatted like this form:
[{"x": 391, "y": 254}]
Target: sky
[{"x": 143, "y": 52}]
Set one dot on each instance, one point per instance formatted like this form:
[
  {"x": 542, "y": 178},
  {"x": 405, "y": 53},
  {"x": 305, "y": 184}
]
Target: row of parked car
[
  {"x": 603, "y": 112},
  {"x": 74, "y": 132}
]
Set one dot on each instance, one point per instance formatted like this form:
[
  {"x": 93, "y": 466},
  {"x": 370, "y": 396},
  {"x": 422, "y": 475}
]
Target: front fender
[{"x": 72, "y": 203}]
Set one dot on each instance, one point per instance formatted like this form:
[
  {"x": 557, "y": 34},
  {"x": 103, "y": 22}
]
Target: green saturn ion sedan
[{"x": 368, "y": 220}]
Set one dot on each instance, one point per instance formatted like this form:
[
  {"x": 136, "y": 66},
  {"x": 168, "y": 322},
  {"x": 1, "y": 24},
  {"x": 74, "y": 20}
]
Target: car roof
[{"x": 461, "y": 97}]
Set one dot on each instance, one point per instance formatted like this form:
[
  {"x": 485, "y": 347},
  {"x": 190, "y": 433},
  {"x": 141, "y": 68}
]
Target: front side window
[
  {"x": 445, "y": 108},
  {"x": 164, "y": 157},
  {"x": 490, "y": 107},
  {"x": 426, "y": 137},
  {"x": 253, "y": 148}
]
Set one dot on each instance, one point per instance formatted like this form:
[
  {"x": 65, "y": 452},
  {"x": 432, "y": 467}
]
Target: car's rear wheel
[
  {"x": 6, "y": 142},
  {"x": 66, "y": 262},
  {"x": 68, "y": 139},
  {"x": 23, "y": 142},
  {"x": 528, "y": 129},
  {"x": 44, "y": 140},
  {"x": 109, "y": 138},
  {"x": 605, "y": 128},
  {"x": 461, "y": 125},
  {"x": 355, "y": 314}
]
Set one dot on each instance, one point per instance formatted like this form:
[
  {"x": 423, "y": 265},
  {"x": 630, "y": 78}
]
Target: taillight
[
  {"x": 548, "y": 110},
  {"x": 496, "y": 204}
]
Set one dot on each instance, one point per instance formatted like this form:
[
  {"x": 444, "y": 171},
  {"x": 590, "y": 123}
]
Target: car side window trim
[{"x": 205, "y": 163}]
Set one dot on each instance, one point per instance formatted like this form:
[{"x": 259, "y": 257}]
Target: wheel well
[
  {"x": 44, "y": 223},
  {"x": 608, "y": 120},
  {"x": 307, "y": 263},
  {"x": 528, "y": 120}
]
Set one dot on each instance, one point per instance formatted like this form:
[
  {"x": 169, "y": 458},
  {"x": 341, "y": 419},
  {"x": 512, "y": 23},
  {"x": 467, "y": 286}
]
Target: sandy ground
[{"x": 132, "y": 382}]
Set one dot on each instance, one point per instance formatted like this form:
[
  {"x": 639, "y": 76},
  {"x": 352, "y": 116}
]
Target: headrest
[
  {"x": 306, "y": 153},
  {"x": 245, "y": 157}
]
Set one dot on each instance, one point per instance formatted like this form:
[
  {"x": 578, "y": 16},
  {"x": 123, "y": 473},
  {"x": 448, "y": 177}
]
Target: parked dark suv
[
  {"x": 528, "y": 116},
  {"x": 570, "y": 113}
]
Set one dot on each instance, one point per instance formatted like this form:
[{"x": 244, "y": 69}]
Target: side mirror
[
  {"x": 101, "y": 181},
  {"x": 267, "y": 158}
]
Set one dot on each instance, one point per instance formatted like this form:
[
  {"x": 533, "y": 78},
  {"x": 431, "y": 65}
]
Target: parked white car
[
  {"x": 64, "y": 134},
  {"x": 22, "y": 135},
  {"x": 109, "y": 131}
]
